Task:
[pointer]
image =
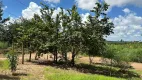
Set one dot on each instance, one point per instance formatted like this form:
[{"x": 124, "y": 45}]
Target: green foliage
[
  {"x": 96, "y": 29},
  {"x": 3, "y": 29},
  {"x": 123, "y": 53},
  {"x": 3, "y": 45},
  {"x": 12, "y": 57}
]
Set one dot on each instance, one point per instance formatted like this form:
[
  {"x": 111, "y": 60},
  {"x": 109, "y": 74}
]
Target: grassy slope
[{"x": 58, "y": 74}]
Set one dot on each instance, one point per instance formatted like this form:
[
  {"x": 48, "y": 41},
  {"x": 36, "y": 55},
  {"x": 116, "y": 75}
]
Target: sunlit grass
[
  {"x": 59, "y": 74},
  {"x": 4, "y": 65}
]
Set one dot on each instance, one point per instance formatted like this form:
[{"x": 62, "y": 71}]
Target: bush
[
  {"x": 119, "y": 56},
  {"x": 137, "y": 55},
  {"x": 12, "y": 57}
]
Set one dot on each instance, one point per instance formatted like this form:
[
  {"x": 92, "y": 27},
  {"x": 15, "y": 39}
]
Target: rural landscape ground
[{"x": 43, "y": 69}]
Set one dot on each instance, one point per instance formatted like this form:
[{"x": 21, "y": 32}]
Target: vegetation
[
  {"x": 12, "y": 58},
  {"x": 3, "y": 45},
  {"x": 67, "y": 33},
  {"x": 128, "y": 52},
  {"x": 4, "y": 65},
  {"x": 47, "y": 34},
  {"x": 58, "y": 74}
]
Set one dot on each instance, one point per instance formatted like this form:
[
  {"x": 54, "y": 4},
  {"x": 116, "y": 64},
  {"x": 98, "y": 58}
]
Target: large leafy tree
[
  {"x": 97, "y": 27},
  {"x": 74, "y": 32},
  {"x": 36, "y": 35},
  {"x": 63, "y": 40},
  {"x": 52, "y": 26}
]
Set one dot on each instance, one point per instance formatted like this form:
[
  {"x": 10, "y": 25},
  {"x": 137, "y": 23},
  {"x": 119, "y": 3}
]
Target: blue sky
[{"x": 125, "y": 14}]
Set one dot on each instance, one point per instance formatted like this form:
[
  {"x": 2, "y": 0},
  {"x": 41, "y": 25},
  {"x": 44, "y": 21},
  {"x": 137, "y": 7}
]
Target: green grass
[
  {"x": 59, "y": 74},
  {"x": 4, "y": 64}
]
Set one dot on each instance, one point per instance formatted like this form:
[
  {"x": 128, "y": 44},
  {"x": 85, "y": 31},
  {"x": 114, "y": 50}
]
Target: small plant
[{"x": 12, "y": 57}]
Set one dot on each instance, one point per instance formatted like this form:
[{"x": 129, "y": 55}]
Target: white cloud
[
  {"x": 89, "y": 4},
  {"x": 31, "y": 10},
  {"x": 86, "y": 4},
  {"x": 52, "y": 1},
  {"x": 12, "y": 20},
  {"x": 126, "y": 10},
  {"x": 57, "y": 11},
  {"x": 52, "y": 5},
  {"x": 84, "y": 17},
  {"x": 127, "y": 27},
  {"x": 120, "y": 3}
]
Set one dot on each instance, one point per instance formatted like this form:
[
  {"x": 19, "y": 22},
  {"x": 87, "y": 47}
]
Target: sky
[{"x": 125, "y": 14}]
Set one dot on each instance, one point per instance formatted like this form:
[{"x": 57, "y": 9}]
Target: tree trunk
[
  {"x": 23, "y": 53},
  {"x": 65, "y": 56},
  {"x": 47, "y": 56},
  {"x": 12, "y": 46},
  {"x": 56, "y": 54},
  {"x": 36, "y": 56},
  {"x": 90, "y": 60},
  {"x": 30, "y": 56},
  {"x": 73, "y": 57}
]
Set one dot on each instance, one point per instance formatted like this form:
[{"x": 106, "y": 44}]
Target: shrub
[
  {"x": 12, "y": 57},
  {"x": 119, "y": 56}
]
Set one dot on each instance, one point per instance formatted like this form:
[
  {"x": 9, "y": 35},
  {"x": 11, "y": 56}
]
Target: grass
[
  {"x": 4, "y": 64},
  {"x": 52, "y": 73}
]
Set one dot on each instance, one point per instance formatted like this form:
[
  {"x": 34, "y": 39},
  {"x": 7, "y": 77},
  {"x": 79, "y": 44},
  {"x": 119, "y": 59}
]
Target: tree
[
  {"x": 63, "y": 41},
  {"x": 96, "y": 29},
  {"x": 74, "y": 35},
  {"x": 35, "y": 35},
  {"x": 52, "y": 28},
  {"x": 22, "y": 35}
]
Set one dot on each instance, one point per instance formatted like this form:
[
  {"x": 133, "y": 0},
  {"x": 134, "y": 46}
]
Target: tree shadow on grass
[
  {"x": 6, "y": 77},
  {"x": 20, "y": 74},
  {"x": 116, "y": 66},
  {"x": 105, "y": 70},
  {"x": 93, "y": 69},
  {"x": 14, "y": 76}
]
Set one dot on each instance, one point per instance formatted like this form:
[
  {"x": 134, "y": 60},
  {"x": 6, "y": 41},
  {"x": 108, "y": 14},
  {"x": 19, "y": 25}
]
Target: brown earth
[{"x": 137, "y": 66}]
